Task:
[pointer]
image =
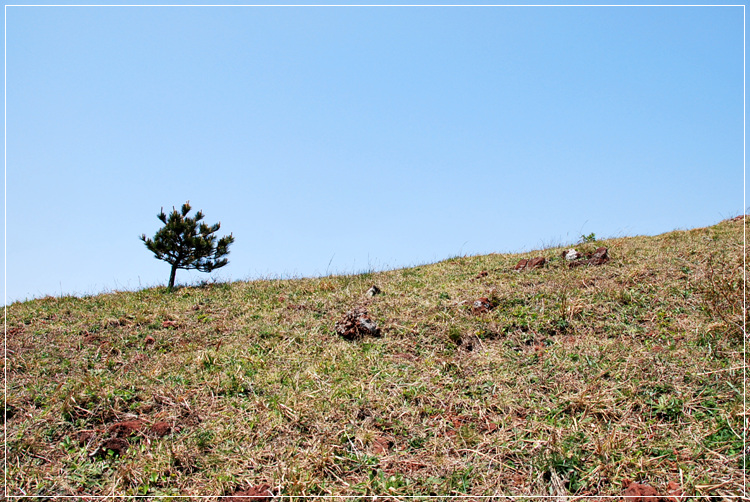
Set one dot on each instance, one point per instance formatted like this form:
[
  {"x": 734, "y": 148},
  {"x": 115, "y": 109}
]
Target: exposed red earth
[{"x": 260, "y": 493}]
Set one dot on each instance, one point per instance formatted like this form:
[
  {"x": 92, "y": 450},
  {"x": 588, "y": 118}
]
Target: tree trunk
[{"x": 171, "y": 277}]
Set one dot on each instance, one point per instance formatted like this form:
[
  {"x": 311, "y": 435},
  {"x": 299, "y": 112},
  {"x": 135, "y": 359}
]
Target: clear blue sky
[{"x": 337, "y": 140}]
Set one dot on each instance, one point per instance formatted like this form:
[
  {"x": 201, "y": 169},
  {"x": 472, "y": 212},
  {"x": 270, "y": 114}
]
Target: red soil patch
[
  {"x": 118, "y": 446},
  {"x": 636, "y": 492},
  {"x": 125, "y": 429},
  {"x": 674, "y": 492},
  {"x": 161, "y": 429},
  {"x": 403, "y": 467},
  {"x": 381, "y": 445},
  {"x": 260, "y": 493}
]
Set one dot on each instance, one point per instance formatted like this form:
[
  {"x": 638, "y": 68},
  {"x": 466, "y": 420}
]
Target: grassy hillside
[{"x": 577, "y": 381}]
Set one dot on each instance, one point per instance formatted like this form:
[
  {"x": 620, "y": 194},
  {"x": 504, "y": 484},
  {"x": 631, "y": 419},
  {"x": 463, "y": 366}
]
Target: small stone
[
  {"x": 381, "y": 445},
  {"x": 85, "y": 437},
  {"x": 374, "y": 290},
  {"x": 355, "y": 324},
  {"x": 118, "y": 446},
  {"x": 125, "y": 429},
  {"x": 481, "y": 306},
  {"x": 150, "y": 340},
  {"x": 536, "y": 262},
  {"x": 521, "y": 264},
  {"x": 600, "y": 257},
  {"x": 161, "y": 429},
  {"x": 571, "y": 254},
  {"x": 481, "y": 274}
]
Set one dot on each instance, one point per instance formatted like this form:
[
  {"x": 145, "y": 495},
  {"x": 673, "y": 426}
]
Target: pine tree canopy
[{"x": 188, "y": 243}]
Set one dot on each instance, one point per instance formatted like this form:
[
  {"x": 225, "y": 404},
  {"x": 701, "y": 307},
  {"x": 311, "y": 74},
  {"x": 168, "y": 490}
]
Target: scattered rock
[
  {"x": 381, "y": 445},
  {"x": 161, "y": 429},
  {"x": 85, "y": 437},
  {"x": 373, "y": 291},
  {"x": 481, "y": 306},
  {"x": 150, "y": 340},
  {"x": 125, "y": 429},
  {"x": 355, "y": 324},
  {"x": 600, "y": 257},
  {"x": 536, "y": 262},
  {"x": 169, "y": 324},
  {"x": 260, "y": 493},
  {"x": 636, "y": 492},
  {"x": 481, "y": 274},
  {"x": 118, "y": 446},
  {"x": 530, "y": 264},
  {"x": 571, "y": 254}
]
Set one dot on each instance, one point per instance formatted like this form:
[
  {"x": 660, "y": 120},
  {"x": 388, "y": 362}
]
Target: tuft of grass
[{"x": 574, "y": 381}]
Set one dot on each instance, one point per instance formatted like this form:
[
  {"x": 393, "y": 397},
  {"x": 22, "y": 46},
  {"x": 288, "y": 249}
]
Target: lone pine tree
[{"x": 186, "y": 243}]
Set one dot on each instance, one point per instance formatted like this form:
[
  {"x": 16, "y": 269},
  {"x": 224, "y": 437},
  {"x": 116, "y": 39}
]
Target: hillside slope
[{"x": 567, "y": 381}]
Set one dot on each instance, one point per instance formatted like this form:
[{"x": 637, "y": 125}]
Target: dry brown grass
[{"x": 577, "y": 380}]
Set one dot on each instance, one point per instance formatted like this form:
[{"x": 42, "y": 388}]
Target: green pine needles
[{"x": 186, "y": 243}]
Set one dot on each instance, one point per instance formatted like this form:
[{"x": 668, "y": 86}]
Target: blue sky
[{"x": 344, "y": 139}]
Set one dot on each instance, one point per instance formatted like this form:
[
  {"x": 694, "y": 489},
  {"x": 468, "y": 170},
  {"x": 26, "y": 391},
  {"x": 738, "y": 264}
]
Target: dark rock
[
  {"x": 600, "y": 257},
  {"x": 373, "y": 291},
  {"x": 521, "y": 264},
  {"x": 481, "y": 306},
  {"x": 356, "y": 324},
  {"x": 481, "y": 274},
  {"x": 536, "y": 262},
  {"x": 118, "y": 446},
  {"x": 532, "y": 263},
  {"x": 86, "y": 437}
]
